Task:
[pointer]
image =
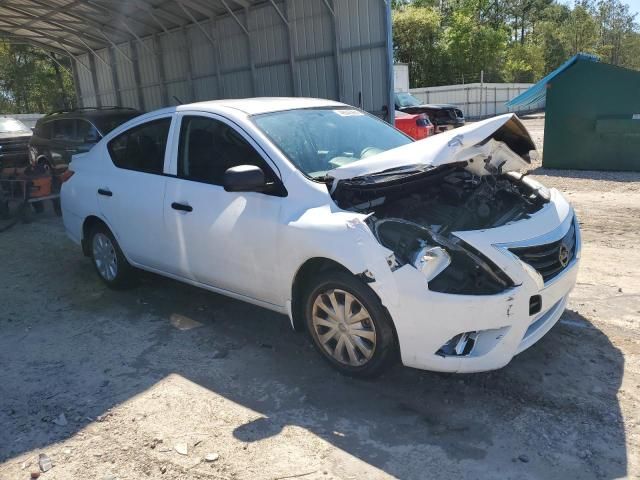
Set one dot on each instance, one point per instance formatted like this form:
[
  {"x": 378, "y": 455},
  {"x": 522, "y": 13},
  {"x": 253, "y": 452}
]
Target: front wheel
[
  {"x": 348, "y": 325},
  {"x": 108, "y": 259}
]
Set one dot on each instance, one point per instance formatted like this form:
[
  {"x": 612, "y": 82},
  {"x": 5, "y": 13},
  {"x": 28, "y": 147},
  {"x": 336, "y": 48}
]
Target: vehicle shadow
[{"x": 552, "y": 413}]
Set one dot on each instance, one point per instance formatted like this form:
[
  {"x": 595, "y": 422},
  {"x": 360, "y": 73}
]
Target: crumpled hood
[{"x": 498, "y": 144}]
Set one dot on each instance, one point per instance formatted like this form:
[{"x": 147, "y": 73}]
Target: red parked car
[{"x": 415, "y": 125}]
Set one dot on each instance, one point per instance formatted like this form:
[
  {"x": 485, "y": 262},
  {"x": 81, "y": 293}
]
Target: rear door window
[
  {"x": 141, "y": 148},
  {"x": 86, "y": 132},
  {"x": 64, "y": 130}
]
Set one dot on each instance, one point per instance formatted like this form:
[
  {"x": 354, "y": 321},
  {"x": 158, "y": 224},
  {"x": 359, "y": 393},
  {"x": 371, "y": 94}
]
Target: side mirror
[{"x": 244, "y": 178}]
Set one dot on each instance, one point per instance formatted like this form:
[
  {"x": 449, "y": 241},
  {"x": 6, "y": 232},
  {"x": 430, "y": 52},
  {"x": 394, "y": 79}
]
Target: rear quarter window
[
  {"x": 142, "y": 147},
  {"x": 43, "y": 130}
]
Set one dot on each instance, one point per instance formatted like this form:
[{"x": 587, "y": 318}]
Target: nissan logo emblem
[{"x": 563, "y": 255}]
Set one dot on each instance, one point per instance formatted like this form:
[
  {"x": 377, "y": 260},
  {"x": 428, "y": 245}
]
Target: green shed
[{"x": 592, "y": 115}]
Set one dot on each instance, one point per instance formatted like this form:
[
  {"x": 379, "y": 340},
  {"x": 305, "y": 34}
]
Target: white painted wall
[
  {"x": 477, "y": 100},
  {"x": 400, "y": 77}
]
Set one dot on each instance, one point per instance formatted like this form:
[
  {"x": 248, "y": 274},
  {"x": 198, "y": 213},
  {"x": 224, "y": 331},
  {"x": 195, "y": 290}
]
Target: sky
[{"x": 634, "y": 6}]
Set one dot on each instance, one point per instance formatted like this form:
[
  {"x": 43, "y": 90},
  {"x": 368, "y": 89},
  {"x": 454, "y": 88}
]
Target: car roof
[
  {"x": 258, "y": 105},
  {"x": 90, "y": 113}
]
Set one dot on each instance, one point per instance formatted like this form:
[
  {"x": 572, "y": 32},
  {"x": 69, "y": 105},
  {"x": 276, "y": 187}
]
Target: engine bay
[
  {"x": 414, "y": 216},
  {"x": 448, "y": 200}
]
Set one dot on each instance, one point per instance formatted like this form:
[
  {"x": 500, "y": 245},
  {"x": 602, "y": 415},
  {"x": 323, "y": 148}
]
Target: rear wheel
[
  {"x": 108, "y": 259},
  {"x": 348, "y": 325}
]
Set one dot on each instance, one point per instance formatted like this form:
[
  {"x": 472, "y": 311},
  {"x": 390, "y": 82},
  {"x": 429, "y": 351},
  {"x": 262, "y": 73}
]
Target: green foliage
[
  {"x": 32, "y": 81},
  {"x": 449, "y": 41},
  {"x": 415, "y": 31}
]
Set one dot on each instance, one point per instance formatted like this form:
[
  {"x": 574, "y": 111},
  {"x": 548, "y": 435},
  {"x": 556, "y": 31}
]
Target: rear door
[{"x": 131, "y": 193}]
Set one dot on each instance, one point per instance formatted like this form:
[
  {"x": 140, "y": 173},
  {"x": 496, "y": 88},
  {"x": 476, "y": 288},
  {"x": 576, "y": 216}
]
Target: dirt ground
[{"x": 120, "y": 385}]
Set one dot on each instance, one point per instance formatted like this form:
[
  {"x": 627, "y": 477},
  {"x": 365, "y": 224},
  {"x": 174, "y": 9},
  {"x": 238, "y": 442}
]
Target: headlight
[
  {"x": 470, "y": 273},
  {"x": 431, "y": 260},
  {"x": 449, "y": 266}
]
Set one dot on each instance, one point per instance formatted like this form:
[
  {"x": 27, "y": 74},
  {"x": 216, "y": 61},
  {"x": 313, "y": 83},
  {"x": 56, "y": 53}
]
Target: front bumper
[{"x": 427, "y": 320}]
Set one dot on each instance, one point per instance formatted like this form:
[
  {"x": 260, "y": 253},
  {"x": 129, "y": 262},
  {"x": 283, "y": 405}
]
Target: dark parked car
[
  {"x": 443, "y": 116},
  {"x": 14, "y": 143},
  {"x": 59, "y": 135}
]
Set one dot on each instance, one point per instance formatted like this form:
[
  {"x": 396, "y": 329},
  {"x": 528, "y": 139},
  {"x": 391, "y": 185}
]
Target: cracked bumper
[{"x": 426, "y": 320}]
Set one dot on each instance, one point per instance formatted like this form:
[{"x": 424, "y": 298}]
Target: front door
[{"x": 222, "y": 239}]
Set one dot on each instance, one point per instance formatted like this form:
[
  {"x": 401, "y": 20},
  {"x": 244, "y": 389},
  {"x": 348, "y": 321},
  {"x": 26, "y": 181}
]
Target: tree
[
  {"x": 32, "y": 81},
  {"x": 415, "y": 39},
  {"x": 471, "y": 46}
]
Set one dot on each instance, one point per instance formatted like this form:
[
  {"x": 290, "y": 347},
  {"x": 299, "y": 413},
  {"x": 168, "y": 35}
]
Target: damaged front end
[{"x": 462, "y": 180}]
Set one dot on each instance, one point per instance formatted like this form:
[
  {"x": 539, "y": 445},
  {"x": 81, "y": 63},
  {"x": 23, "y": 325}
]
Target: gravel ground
[{"x": 147, "y": 383}]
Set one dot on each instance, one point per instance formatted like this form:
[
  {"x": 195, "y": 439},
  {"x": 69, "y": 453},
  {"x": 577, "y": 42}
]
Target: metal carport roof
[{"x": 143, "y": 53}]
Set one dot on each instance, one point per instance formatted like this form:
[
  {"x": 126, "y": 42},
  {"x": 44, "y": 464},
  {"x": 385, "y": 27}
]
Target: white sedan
[{"x": 377, "y": 246}]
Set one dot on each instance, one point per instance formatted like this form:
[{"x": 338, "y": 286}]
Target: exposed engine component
[
  {"x": 451, "y": 200},
  {"x": 415, "y": 215}
]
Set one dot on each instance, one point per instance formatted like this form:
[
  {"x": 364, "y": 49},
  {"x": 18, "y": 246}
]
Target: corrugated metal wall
[
  {"x": 477, "y": 100},
  {"x": 337, "y": 49}
]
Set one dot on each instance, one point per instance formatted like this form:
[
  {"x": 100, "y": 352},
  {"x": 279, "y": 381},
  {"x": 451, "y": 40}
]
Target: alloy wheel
[{"x": 104, "y": 256}]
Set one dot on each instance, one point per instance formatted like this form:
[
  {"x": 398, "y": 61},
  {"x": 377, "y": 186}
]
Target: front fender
[{"x": 342, "y": 237}]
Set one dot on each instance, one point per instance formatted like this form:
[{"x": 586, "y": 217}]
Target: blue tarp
[{"x": 538, "y": 91}]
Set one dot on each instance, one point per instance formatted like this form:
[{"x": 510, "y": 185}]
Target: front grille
[
  {"x": 551, "y": 258},
  {"x": 14, "y": 146}
]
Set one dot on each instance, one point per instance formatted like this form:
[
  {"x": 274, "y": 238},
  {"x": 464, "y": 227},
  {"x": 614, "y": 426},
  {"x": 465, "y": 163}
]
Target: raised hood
[{"x": 495, "y": 145}]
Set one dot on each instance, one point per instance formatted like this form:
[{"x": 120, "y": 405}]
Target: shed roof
[
  {"x": 77, "y": 26},
  {"x": 538, "y": 91}
]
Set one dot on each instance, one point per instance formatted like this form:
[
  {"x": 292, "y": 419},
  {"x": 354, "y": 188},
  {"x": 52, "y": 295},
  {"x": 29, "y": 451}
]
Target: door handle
[
  {"x": 105, "y": 192},
  {"x": 182, "y": 207}
]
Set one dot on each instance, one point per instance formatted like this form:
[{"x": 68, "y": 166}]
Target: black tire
[
  {"x": 384, "y": 348},
  {"x": 124, "y": 274}
]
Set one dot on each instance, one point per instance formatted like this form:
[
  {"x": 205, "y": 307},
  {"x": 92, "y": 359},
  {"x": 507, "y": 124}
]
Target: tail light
[{"x": 66, "y": 175}]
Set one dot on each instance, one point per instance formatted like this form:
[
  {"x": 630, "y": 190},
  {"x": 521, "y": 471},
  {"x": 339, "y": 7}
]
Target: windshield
[
  {"x": 317, "y": 140},
  {"x": 10, "y": 125},
  {"x": 108, "y": 122},
  {"x": 407, "y": 100}
]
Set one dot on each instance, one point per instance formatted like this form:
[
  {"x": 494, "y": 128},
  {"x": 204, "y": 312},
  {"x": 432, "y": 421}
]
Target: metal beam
[
  {"x": 56, "y": 9},
  {"x": 235, "y": 17},
  {"x": 206, "y": 11},
  {"x": 252, "y": 63},
  {"x": 56, "y": 60},
  {"x": 104, "y": 62},
  {"x": 242, "y": 3},
  {"x": 336, "y": 48},
  {"x": 116, "y": 47},
  {"x": 388, "y": 27},
  {"x": 295, "y": 84},
  {"x": 94, "y": 81},
  {"x": 136, "y": 75},
  {"x": 26, "y": 40},
  {"x": 187, "y": 43},
  {"x": 114, "y": 76},
  {"x": 193, "y": 19},
  {"x": 135, "y": 35},
  {"x": 76, "y": 84},
  {"x": 60, "y": 41},
  {"x": 157, "y": 46},
  {"x": 101, "y": 10}
]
